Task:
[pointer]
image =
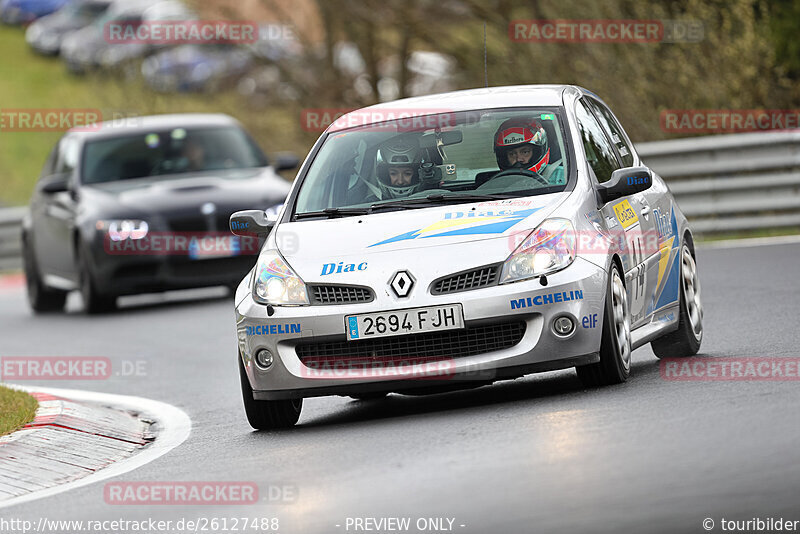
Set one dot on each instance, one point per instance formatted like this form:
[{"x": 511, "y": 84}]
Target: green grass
[
  {"x": 17, "y": 408},
  {"x": 28, "y": 80}
]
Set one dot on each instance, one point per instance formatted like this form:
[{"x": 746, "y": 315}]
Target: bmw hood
[
  {"x": 240, "y": 190},
  {"x": 439, "y": 240}
]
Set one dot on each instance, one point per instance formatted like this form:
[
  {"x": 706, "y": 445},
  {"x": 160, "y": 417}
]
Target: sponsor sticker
[{"x": 625, "y": 214}]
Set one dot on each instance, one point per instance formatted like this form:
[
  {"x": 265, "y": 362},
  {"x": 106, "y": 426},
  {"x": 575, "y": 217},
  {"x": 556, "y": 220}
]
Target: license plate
[
  {"x": 215, "y": 248},
  {"x": 400, "y": 322}
]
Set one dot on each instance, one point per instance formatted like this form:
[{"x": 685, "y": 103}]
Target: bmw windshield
[
  {"x": 170, "y": 152},
  {"x": 416, "y": 162}
]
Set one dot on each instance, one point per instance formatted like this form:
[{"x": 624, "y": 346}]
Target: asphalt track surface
[{"x": 539, "y": 454}]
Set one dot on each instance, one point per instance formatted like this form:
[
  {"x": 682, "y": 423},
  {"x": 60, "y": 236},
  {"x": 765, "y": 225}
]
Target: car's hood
[
  {"x": 441, "y": 240},
  {"x": 245, "y": 189}
]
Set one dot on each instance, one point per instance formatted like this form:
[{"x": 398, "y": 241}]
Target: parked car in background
[
  {"x": 196, "y": 68},
  {"x": 46, "y": 34},
  {"x": 26, "y": 11},
  {"x": 125, "y": 209},
  {"x": 88, "y": 48}
]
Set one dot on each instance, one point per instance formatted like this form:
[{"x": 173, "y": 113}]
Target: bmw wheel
[
  {"x": 267, "y": 414},
  {"x": 614, "y": 366},
  {"x": 93, "y": 300},
  {"x": 685, "y": 341}
]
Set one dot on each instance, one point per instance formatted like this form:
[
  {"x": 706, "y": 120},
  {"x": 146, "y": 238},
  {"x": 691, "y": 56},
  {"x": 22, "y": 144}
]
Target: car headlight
[
  {"x": 276, "y": 283},
  {"x": 120, "y": 230},
  {"x": 549, "y": 248}
]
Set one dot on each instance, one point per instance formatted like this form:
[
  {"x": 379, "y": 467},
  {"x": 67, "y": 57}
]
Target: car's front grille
[
  {"x": 423, "y": 347},
  {"x": 464, "y": 281},
  {"x": 339, "y": 294},
  {"x": 199, "y": 223}
]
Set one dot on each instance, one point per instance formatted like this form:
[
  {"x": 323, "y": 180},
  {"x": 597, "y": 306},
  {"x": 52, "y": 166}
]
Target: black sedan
[{"x": 143, "y": 207}]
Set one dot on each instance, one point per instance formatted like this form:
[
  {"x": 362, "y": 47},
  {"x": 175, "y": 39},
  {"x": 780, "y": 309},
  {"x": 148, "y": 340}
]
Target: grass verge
[
  {"x": 17, "y": 408},
  {"x": 31, "y": 81}
]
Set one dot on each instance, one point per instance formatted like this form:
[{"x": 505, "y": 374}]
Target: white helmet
[{"x": 399, "y": 152}]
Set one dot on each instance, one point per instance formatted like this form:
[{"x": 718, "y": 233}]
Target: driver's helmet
[
  {"x": 518, "y": 132},
  {"x": 399, "y": 154}
]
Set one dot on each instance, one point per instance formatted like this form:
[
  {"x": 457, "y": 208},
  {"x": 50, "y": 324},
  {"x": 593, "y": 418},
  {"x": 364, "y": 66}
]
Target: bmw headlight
[
  {"x": 120, "y": 230},
  {"x": 276, "y": 283},
  {"x": 549, "y": 248}
]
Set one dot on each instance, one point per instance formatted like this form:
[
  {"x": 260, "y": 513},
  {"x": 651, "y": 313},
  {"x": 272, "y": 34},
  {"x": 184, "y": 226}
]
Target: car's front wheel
[
  {"x": 267, "y": 414},
  {"x": 685, "y": 341},
  {"x": 93, "y": 300},
  {"x": 614, "y": 366},
  {"x": 40, "y": 297}
]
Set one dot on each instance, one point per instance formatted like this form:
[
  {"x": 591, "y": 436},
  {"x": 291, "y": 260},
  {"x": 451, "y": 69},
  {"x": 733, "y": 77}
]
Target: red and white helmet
[{"x": 518, "y": 132}]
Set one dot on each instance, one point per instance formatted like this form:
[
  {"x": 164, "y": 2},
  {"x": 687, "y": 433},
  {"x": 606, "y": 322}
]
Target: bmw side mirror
[
  {"x": 57, "y": 183},
  {"x": 251, "y": 223},
  {"x": 624, "y": 182},
  {"x": 286, "y": 161}
]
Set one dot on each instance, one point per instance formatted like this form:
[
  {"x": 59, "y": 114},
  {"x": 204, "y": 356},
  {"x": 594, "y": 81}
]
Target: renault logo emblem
[{"x": 401, "y": 283}]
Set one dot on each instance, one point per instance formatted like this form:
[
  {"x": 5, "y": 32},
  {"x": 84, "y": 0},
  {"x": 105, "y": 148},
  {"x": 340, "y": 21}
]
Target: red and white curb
[
  {"x": 81, "y": 437},
  {"x": 10, "y": 283}
]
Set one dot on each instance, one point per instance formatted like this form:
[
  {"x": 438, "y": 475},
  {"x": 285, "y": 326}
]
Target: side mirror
[
  {"x": 251, "y": 223},
  {"x": 625, "y": 182},
  {"x": 56, "y": 183},
  {"x": 285, "y": 161}
]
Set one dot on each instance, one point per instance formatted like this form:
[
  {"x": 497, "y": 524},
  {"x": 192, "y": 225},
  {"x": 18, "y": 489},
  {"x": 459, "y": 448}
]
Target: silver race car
[{"x": 454, "y": 240}]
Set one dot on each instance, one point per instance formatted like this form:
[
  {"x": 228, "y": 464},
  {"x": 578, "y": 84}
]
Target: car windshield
[
  {"x": 450, "y": 157},
  {"x": 169, "y": 152}
]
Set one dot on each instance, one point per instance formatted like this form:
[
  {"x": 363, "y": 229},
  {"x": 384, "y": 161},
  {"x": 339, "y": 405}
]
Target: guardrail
[
  {"x": 10, "y": 246},
  {"x": 723, "y": 183},
  {"x": 730, "y": 183}
]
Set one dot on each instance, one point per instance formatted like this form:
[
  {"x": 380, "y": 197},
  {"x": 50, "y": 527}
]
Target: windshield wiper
[
  {"x": 440, "y": 199},
  {"x": 331, "y": 213}
]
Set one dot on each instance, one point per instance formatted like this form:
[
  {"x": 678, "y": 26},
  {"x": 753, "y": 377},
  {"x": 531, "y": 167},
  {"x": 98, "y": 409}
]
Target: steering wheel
[{"x": 524, "y": 172}]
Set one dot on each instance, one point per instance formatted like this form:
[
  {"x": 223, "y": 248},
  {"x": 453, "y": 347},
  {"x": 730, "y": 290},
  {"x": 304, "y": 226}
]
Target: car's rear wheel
[
  {"x": 41, "y": 298},
  {"x": 267, "y": 414},
  {"x": 93, "y": 301},
  {"x": 685, "y": 341},
  {"x": 614, "y": 366}
]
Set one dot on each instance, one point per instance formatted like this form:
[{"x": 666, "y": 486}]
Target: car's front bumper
[
  {"x": 581, "y": 287},
  {"x": 130, "y": 275}
]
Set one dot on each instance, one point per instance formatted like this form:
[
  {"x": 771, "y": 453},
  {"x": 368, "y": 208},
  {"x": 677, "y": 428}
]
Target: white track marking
[{"x": 174, "y": 426}]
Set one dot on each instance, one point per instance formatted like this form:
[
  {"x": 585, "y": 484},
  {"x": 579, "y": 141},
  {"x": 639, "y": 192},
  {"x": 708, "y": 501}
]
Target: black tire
[
  {"x": 266, "y": 414},
  {"x": 41, "y": 298},
  {"x": 614, "y": 366},
  {"x": 93, "y": 301},
  {"x": 684, "y": 341}
]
